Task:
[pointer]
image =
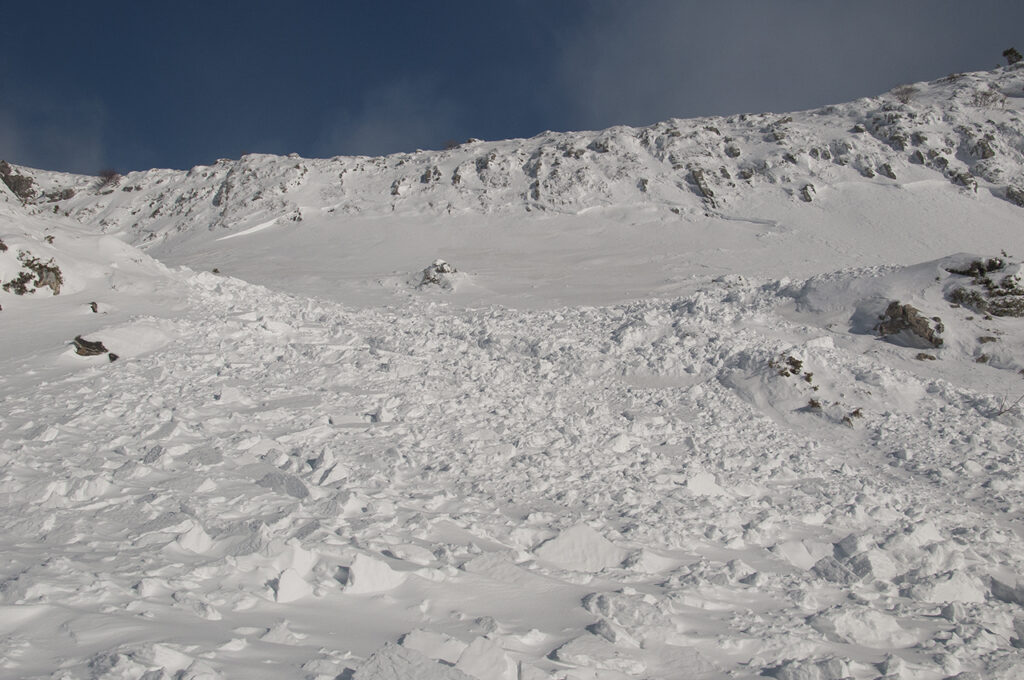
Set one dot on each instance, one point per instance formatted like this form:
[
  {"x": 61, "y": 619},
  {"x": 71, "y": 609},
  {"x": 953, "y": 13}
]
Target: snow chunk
[
  {"x": 369, "y": 575},
  {"x": 437, "y": 646},
  {"x": 596, "y": 652},
  {"x": 195, "y": 540},
  {"x": 649, "y": 562},
  {"x": 954, "y": 586},
  {"x": 864, "y": 626},
  {"x": 704, "y": 484},
  {"x": 582, "y": 549},
  {"x": 392, "y": 662},
  {"x": 485, "y": 659},
  {"x": 807, "y": 669},
  {"x": 283, "y": 483},
  {"x": 291, "y": 587},
  {"x": 1013, "y": 594}
]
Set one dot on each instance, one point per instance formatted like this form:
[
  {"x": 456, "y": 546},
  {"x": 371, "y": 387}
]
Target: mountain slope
[
  {"x": 915, "y": 174},
  {"x": 699, "y": 426}
]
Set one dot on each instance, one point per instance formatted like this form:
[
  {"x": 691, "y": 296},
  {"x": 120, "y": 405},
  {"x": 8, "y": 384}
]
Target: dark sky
[{"x": 132, "y": 85}]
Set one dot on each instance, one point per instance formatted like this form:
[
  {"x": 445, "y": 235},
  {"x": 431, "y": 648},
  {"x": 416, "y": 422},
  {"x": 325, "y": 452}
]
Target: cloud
[
  {"x": 637, "y": 63},
  {"x": 43, "y": 132},
  {"x": 402, "y": 115}
]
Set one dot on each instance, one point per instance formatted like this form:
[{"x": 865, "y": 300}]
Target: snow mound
[
  {"x": 582, "y": 549},
  {"x": 370, "y": 575},
  {"x": 394, "y": 662}
]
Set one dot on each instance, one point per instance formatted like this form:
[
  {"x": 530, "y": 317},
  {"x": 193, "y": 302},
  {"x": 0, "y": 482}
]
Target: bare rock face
[
  {"x": 20, "y": 185},
  {"x": 900, "y": 319}
]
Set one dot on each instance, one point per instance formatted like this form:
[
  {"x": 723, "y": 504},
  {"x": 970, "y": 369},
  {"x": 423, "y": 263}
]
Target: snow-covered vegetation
[{"x": 717, "y": 398}]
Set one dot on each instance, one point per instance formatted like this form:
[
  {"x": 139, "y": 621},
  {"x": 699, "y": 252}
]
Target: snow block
[
  {"x": 1014, "y": 594},
  {"x": 582, "y": 549},
  {"x": 435, "y": 645},
  {"x": 392, "y": 662},
  {"x": 291, "y": 587},
  {"x": 369, "y": 575},
  {"x": 283, "y": 483},
  {"x": 595, "y": 652},
  {"x": 486, "y": 660}
]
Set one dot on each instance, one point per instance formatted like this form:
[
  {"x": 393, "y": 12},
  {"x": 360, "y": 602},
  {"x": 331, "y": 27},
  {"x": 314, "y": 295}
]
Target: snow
[{"x": 639, "y": 434}]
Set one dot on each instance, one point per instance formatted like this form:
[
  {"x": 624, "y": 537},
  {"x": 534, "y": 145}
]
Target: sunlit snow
[{"x": 646, "y": 428}]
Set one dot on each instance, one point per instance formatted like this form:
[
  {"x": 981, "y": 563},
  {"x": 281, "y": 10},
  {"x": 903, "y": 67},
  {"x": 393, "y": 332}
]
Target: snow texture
[{"x": 648, "y": 429}]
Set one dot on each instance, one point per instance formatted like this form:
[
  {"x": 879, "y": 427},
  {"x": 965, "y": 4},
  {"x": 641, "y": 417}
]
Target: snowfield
[{"x": 689, "y": 427}]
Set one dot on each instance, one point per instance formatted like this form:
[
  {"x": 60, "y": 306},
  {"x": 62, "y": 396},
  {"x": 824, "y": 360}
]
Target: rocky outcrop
[{"x": 905, "y": 320}]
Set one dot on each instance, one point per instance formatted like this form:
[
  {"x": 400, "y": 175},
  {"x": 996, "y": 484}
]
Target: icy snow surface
[{"x": 635, "y": 435}]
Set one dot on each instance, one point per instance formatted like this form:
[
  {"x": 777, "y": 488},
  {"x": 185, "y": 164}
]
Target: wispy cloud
[
  {"x": 640, "y": 62},
  {"x": 44, "y": 132},
  {"x": 402, "y": 115}
]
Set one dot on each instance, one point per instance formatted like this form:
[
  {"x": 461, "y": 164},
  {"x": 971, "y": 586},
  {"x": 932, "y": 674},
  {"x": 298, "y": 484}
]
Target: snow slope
[
  {"x": 649, "y": 434},
  {"x": 877, "y": 181}
]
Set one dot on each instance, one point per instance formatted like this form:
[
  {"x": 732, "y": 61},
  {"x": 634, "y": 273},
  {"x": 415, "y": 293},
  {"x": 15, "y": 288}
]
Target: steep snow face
[{"x": 965, "y": 130}]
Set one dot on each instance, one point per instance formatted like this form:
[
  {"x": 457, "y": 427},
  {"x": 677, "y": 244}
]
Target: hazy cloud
[
  {"x": 403, "y": 115},
  {"x": 44, "y": 132},
  {"x": 641, "y": 62}
]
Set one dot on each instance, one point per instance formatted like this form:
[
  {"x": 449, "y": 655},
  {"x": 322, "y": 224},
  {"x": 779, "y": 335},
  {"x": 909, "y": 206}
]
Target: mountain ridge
[{"x": 965, "y": 129}]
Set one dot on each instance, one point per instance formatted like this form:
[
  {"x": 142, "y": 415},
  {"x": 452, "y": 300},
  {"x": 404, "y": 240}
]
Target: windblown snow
[{"x": 719, "y": 398}]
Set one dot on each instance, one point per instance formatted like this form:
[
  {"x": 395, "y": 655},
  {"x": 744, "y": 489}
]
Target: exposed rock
[
  {"x": 89, "y": 348},
  {"x": 20, "y": 185},
  {"x": 983, "y": 149},
  {"x": 963, "y": 179},
  {"x": 1015, "y": 195},
  {"x": 437, "y": 274},
  {"x": 432, "y": 174},
  {"x": 999, "y": 298},
  {"x": 699, "y": 179},
  {"x": 807, "y": 193},
  {"x": 906, "y": 319}
]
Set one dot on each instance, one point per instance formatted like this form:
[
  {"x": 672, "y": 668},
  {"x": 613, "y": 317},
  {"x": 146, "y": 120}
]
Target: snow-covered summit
[{"x": 964, "y": 129}]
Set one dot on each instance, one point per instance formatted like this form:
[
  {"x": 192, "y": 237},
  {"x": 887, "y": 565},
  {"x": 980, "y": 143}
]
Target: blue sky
[{"x": 133, "y": 85}]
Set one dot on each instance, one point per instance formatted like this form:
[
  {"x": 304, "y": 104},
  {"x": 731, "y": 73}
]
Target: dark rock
[
  {"x": 20, "y": 185},
  {"x": 983, "y": 149},
  {"x": 963, "y": 179},
  {"x": 807, "y": 193},
  {"x": 88, "y": 348},
  {"x": 436, "y": 274},
  {"x": 432, "y": 174},
  {"x": 1015, "y": 195},
  {"x": 698, "y": 178},
  {"x": 899, "y": 318}
]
